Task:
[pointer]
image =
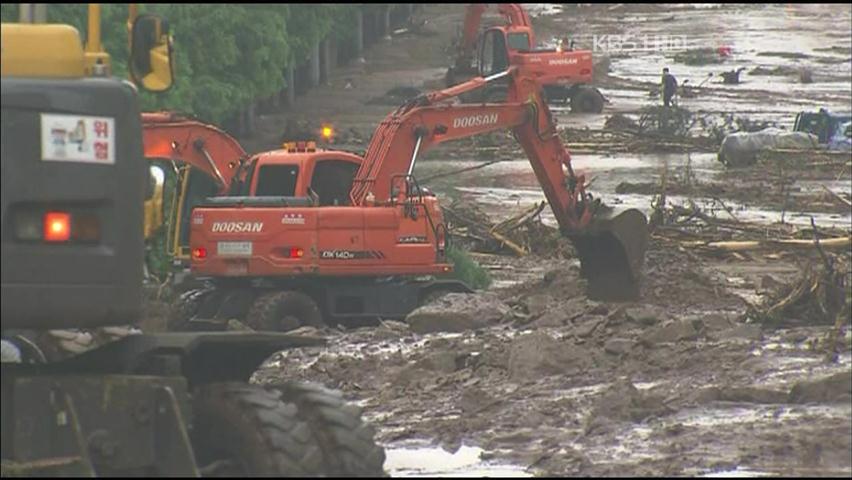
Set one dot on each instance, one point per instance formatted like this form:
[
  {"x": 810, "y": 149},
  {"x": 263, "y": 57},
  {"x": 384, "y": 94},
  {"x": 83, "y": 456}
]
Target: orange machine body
[
  {"x": 295, "y": 234},
  {"x": 561, "y": 66}
]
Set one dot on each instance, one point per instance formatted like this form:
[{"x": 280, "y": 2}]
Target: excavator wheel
[
  {"x": 281, "y": 311},
  {"x": 347, "y": 443},
  {"x": 612, "y": 252},
  {"x": 185, "y": 308},
  {"x": 587, "y": 100},
  {"x": 246, "y": 430}
]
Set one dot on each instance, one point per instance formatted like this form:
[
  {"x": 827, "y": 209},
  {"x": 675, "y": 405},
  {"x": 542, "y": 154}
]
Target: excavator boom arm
[
  {"x": 611, "y": 248},
  {"x": 423, "y": 123},
  {"x": 173, "y": 137}
]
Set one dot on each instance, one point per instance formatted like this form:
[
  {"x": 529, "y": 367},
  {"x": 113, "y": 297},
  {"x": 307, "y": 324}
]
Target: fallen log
[
  {"x": 837, "y": 196},
  {"x": 838, "y": 153},
  {"x": 744, "y": 246},
  {"x": 519, "y": 250}
]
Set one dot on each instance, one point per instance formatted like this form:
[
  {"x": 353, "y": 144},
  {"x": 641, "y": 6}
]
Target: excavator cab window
[
  {"x": 332, "y": 181},
  {"x": 493, "y": 56},
  {"x": 199, "y": 187},
  {"x": 519, "y": 41},
  {"x": 277, "y": 181}
]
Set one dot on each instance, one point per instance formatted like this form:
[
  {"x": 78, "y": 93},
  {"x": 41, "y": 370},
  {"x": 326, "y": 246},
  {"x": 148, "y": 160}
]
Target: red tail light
[
  {"x": 57, "y": 227},
  {"x": 199, "y": 253},
  {"x": 441, "y": 238},
  {"x": 296, "y": 252}
]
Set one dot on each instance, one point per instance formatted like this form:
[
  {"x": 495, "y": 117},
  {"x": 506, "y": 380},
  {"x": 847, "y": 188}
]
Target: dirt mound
[
  {"x": 676, "y": 279},
  {"x": 836, "y": 388},
  {"x": 779, "y": 70},
  {"x": 458, "y": 312},
  {"x": 623, "y": 401},
  {"x": 699, "y": 56},
  {"x": 745, "y": 394},
  {"x": 672, "y": 331},
  {"x": 538, "y": 354}
]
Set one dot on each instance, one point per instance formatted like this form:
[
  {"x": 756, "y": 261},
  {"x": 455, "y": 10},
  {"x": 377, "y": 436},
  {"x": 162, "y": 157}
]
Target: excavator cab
[
  {"x": 493, "y": 52},
  {"x": 611, "y": 247}
]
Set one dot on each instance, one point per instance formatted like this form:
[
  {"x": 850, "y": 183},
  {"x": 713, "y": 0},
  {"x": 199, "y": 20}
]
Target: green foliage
[
  {"x": 227, "y": 55},
  {"x": 158, "y": 260},
  {"x": 467, "y": 270}
]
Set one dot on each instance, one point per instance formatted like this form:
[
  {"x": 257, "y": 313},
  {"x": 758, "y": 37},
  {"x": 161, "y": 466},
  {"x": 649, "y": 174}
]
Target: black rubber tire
[
  {"x": 185, "y": 308},
  {"x": 253, "y": 429},
  {"x": 587, "y": 100},
  {"x": 348, "y": 444},
  {"x": 281, "y": 311}
]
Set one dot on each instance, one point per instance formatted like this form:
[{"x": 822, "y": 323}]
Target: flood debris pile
[
  {"x": 658, "y": 129},
  {"x": 821, "y": 295},
  {"x": 699, "y": 231},
  {"x": 699, "y": 56},
  {"x": 520, "y": 235},
  {"x": 666, "y": 121}
]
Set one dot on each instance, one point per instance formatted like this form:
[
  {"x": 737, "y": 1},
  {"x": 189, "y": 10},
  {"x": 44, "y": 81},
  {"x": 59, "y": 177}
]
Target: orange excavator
[
  {"x": 569, "y": 77},
  {"x": 307, "y": 236}
]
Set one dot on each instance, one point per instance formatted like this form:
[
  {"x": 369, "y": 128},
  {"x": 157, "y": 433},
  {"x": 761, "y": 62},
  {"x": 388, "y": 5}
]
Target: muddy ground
[{"x": 531, "y": 377}]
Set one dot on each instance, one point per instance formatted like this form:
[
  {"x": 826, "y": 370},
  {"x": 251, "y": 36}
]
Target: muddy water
[
  {"x": 807, "y": 36},
  {"x": 505, "y": 188},
  {"x": 416, "y": 459}
]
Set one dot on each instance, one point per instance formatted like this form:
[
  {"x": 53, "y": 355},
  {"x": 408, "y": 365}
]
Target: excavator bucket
[{"x": 612, "y": 252}]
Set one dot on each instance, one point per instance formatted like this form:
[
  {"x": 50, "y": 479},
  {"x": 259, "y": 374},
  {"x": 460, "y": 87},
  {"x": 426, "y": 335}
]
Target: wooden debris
[
  {"x": 744, "y": 246},
  {"x": 519, "y": 250},
  {"x": 838, "y": 197},
  {"x": 519, "y": 235}
]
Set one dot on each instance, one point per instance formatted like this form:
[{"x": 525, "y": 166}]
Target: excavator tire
[
  {"x": 587, "y": 100},
  {"x": 247, "y": 430},
  {"x": 347, "y": 442},
  {"x": 283, "y": 311},
  {"x": 185, "y": 308}
]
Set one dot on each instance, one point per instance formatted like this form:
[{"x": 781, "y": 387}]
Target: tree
[{"x": 227, "y": 55}]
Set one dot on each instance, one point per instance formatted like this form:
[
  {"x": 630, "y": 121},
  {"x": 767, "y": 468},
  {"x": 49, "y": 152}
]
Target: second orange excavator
[{"x": 567, "y": 75}]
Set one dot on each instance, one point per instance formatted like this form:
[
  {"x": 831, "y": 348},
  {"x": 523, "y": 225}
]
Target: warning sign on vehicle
[{"x": 75, "y": 138}]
